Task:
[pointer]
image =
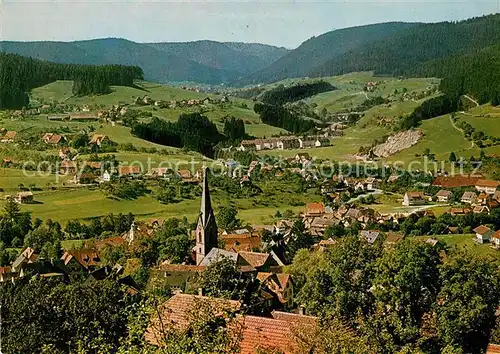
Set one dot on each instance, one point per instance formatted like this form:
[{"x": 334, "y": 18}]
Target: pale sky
[{"x": 282, "y": 23}]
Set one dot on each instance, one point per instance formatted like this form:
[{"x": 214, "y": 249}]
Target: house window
[{"x": 199, "y": 237}]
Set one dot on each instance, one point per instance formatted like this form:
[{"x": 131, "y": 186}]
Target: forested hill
[
  {"x": 404, "y": 52},
  {"x": 19, "y": 74},
  {"x": 203, "y": 61},
  {"x": 477, "y": 74},
  {"x": 318, "y": 50}
]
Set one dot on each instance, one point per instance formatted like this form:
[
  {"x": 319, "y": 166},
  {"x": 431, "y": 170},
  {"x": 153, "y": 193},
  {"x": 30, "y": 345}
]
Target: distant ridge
[
  {"x": 201, "y": 61},
  {"x": 318, "y": 50}
]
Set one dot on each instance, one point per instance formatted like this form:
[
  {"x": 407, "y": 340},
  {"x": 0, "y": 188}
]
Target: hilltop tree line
[
  {"x": 18, "y": 75},
  {"x": 281, "y": 117},
  {"x": 192, "y": 131},
  {"x": 281, "y": 94}
]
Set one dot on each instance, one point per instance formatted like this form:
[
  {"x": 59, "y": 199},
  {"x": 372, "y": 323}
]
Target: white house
[
  {"x": 413, "y": 198},
  {"x": 483, "y": 234},
  {"x": 106, "y": 176},
  {"x": 487, "y": 186},
  {"x": 444, "y": 196}
]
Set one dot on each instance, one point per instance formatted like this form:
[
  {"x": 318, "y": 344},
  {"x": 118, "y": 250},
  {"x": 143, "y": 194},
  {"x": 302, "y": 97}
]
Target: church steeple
[{"x": 206, "y": 229}]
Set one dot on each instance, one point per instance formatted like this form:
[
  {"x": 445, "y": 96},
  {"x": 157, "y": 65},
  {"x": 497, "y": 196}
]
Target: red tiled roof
[
  {"x": 266, "y": 333},
  {"x": 415, "y": 195},
  {"x": 487, "y": 183},
  {"x": 86, "y": 258},
  {"x": 174, "y": 312},
  {"x": 481, "y": 229},
  {"x": 241, "y": 242},
  {"x": 456, "y": 181},
  {"x": 493, "y": 349},
  {"x": 184, "y": 173},
  {"x": 315, "y": 208},
  {"x": 255, "y": 259},
  {"x": 294, "y": 318},
  {"x": 129, "y": 170}
]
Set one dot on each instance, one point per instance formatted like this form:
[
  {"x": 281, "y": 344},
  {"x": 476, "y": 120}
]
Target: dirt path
[
  {"x": 472, "y": 100},
  {"x": 472, "y": 145}
]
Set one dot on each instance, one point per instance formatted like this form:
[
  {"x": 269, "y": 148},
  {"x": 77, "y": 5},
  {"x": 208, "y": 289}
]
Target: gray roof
[
  {"x": 370, "y": 236},
  {"x": 216, "y": 254}
]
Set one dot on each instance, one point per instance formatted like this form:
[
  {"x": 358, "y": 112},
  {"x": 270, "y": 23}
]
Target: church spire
[
  {"x": 206, "y": 203},
  {"x": 206, "y": 229}
]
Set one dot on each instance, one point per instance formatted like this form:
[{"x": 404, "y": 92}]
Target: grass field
[
  {"x": 466, "y": 241},
  {"x": 83, "y": 203},
  {"x": 10, "y": 179},
  {"x": 60, "y": 91}
]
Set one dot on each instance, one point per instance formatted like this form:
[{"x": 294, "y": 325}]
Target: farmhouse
[
  {"x": 487, "y": 186},
  {"x": 314, "y": 209},
  {"x": 132, "y": 171},
  {"x": 68, "y": 166},
  {"x": 52, "y": 139},
  {"x": 9, "y": 137},
  {"x": 83, "y": 117},
  {"x": 495, "y": 239},
  {"x": 413, "y": 198},
  {"x": 456, "y": 181},
  {"x": 24, "y": 197},
  {"x": 444, "y": 196},
  {"x": 483, "y": 234},
  {"x": 236, "y": 242},
  {"x": 369, "y": 236},
  {"x": 98, "y": 139},
  {"x": 469, "y": 198}
]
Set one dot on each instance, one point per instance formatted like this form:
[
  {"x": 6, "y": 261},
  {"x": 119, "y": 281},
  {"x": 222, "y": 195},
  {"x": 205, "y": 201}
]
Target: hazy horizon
[{"x": 281, "y": 23}]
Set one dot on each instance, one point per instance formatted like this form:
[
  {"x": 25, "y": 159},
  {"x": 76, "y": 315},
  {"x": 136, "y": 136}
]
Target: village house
[
  {"x": 323, "y": 245},
  {"x": 279, "y": 285},
  {"x": 98, "y": 139},
  {"x": 487, "y": 186},
  {"x": 314, "y": 210},
  {"x": 236, "y": 242},
  {"x": 369, "y": 236},
  {"x": 27, "y": 256},
  {"x": 106, "y": 176},
  {"x": 495, "y": 239},
  {"x": 414, "y": 198},
  {"x": 469, "y": 198},
  {"x": 483, "y": 234},
  {"x": 480, "y": 209},
  {"x": 257, "y": 333},
  {"x": 129, "y": 171},
  {"x": 24, "y": 197},
  {"x": 160, "y": 172},
  {"x": 371, "y": 183},
  {"x": 319, "y": 225},
  {"x": 52, "y": 139},
  {"x": 444, "y": 196},
  {"x": 393, "y": 238},
  {"x": 456, "y": 181},
  {"x": 459, "y": 211},
  {"x": 287, "y": 142},
  {"x": 9, "y": 137},
  {"x": 68, "y": 167},
  {"x": 87, "y": 259},
  {"x": 83, "y": 117}
]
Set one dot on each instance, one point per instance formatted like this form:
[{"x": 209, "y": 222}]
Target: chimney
[
  {"x": 200, "y": 291},
  {"x": 302, "y": 310}
]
